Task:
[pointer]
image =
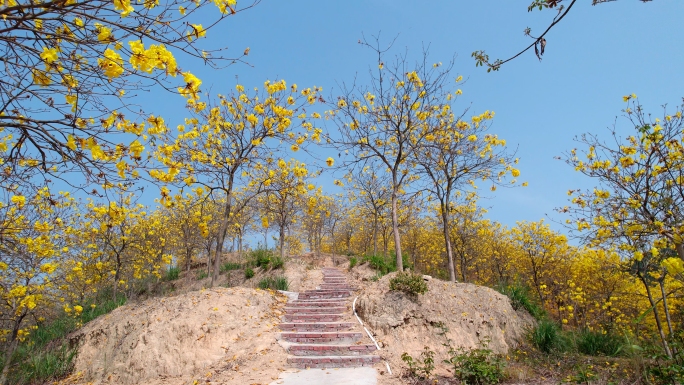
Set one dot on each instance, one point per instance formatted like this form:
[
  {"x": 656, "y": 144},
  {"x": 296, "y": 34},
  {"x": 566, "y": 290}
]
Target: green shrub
[
  {"x": 277, "y": 283},
  {"x": 43, "y": 357},
  {"x": 477, "y": 366},
  {"x": 249, "y": 273},
  {"x": 201, "y": 275},
  {"x": 352, "y": 262},
  {"x": 423, "y": 368},
  {"x": 408, "y": 283},
  {"x": 228, "y": 266},
  {"x": 261, "y": 258},
  {"x": 547, "y": 337},
  {"x": 172, "y": 274},
  {"x": 596, "y": 343},
  {"x": 277, "y": 263},
  {"x": 520, "y": 297}
]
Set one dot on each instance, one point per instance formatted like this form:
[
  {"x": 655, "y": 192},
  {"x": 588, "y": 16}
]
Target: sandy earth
[
  {"x": 215, "y": 336},
  {"x": 456, "y": 314},
  {"x": 228, "y": 335}
]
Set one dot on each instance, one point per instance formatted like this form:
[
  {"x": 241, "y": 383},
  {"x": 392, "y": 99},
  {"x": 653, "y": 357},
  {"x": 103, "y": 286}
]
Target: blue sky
[{"x": 593, "y": 57}]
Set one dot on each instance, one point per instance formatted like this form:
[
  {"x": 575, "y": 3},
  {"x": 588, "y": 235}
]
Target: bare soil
[
  {"x": 221, "y": 335},
  {"x": 228, "y": 335}
]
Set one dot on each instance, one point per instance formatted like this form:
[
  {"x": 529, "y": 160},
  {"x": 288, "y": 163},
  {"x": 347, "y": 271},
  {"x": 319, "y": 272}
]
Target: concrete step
[
  {"x": 323, "y": 303},
  {"x": 331, "y": 350},
  {"x": 325, "y": 294},
  {"x": 316, "y": 310},
  {"x": 316, "y": 327},
  {"x": 322, "y": 338},
  {"x": 312, "y": 317},
  {"x": 325, "y": 286},
  {"x": 332, "y": 361}
]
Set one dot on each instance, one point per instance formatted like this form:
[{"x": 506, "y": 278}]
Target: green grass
[
  {"x": 43, "y": 356},
  {"x": 172, "y": 274},
  {"x": 249, "y": 273},
  {"x": 352, "y": 262},
  {"x": 548, "y": 337},
  {"x": 277, "y": 283},
  {"x": 201, "y": 275},
  {"x": 228, "y": 266},
  {"x": 521, "y": 298},
  {"x": 596, "y": 343}
]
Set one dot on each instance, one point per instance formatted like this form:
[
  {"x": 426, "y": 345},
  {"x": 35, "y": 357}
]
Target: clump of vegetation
[
  {"x": 44, "y": 356},
  {"x": 520, "y": 297},
  {"x": 265, "y": 259},
  {"x": 352, "y": 262},
  {"x": 420, "y": 368},
  {"x": 408, "y": 283},
  {"x": 595, "y": 343},
  {"x": 228, "y": 266},
  {"x": 547, "y": 337},
  {"x": 172, "y": 274},
  {"x": 277, "y": 263},
  {"x": 274, "y": 283},
  {"x": 249, "y": 273},
  {"x": 201, "y": 275},
  {"x": 385, "y": 264},
  {"x": 477, "y": 366},
  {"x": 261, "y": 257}
]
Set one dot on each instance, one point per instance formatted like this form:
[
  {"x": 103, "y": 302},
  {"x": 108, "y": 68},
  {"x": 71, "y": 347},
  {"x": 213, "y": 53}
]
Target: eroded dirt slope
[{"x": 217, "y": 335}]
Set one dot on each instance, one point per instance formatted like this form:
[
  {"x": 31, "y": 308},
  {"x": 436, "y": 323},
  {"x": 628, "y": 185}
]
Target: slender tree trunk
[
  {"x": 395, "y": 230},
  {"x": 9, "y": 352},
  {"x": 282, "y": 242},
  {"x": 375, "y": 234},
  {"x": 447, "y": 241},
  {"x": 680, "y": 249},
  {"x": 661, "y": 283},
  {"x": 223, "y": 231},
  {"x": 659, "y": 324}
]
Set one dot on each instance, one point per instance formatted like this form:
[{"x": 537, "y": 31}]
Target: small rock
[{"x": 426, "y": 277}]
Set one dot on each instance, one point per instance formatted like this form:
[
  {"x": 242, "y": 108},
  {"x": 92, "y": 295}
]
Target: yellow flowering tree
[
  {"x": 457, "y": 153},
  {"x": 219, "y": 147},
  {"x": 31, "y": 251},
  {"x": 69, "y": 68},
  {"x": 285, "y": 185},
  {"x": 637, "y": 205},
  {"x": 370, "y": 191},
  {"x": 387, "y": 121}
]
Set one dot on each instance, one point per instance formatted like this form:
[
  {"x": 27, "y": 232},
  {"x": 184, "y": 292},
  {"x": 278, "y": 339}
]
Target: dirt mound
[
  {"x": 456, "y": 314},
  {"x": 218, "y": 335}
]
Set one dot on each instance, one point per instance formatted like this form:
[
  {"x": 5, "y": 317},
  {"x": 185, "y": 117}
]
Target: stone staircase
[{"x": 318, "y": 327}]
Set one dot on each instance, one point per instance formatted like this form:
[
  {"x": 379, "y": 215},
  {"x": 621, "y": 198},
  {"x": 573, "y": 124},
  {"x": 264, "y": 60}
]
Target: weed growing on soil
[
  {"x": 249, "y": 273},
  {"x": 547, "y": 337},
  {"x": 201, "y": 275},
  {"x": 229, "y": 266},
  {"x": 594, "y": 343},
  {"x": 477, "y": 366},
  {"x": 520, "y": 297},
  {"x": 408, "y": 283},
  {"x": 172, "y": 274},
  {"x": 422, "y": 368},
  {"x": 44, "y": 357},
  {"x": 352, "y": 262},
  {"x": 277, "y": 283}
]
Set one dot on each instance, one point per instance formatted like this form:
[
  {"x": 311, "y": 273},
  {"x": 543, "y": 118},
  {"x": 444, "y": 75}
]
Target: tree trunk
[
  {"x": 659, "y": 324},
  {"x": 447, "y": 241},
  {"x": 223, "y": 231},
  {"x": 8, "y": 358},
  {"x": 282, "y": 242},
  {"x": 680, "y": 249},
  {"x": 375, "y": 234},
  {"x": 395, "y": 230},
  {"x": 661, "y": 283}
]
